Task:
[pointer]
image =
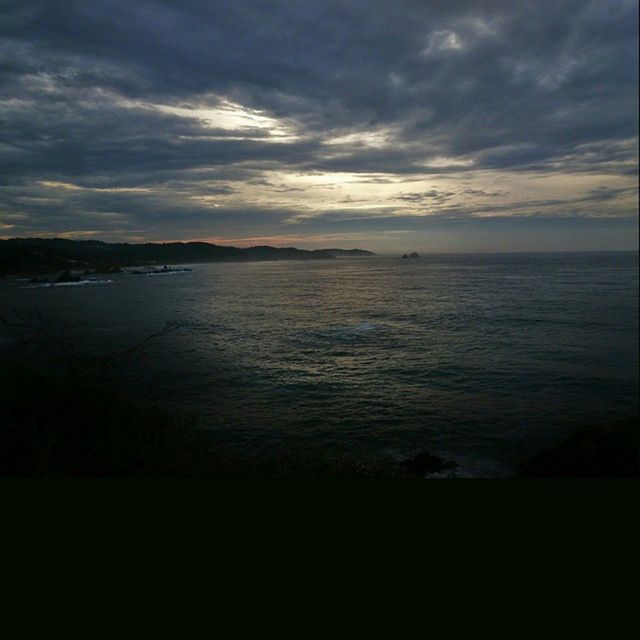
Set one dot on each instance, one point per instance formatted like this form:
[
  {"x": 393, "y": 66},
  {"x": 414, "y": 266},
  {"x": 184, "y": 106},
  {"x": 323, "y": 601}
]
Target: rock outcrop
[
  {"x": 425, "y": 463},
  {"x": 67, "y": 276},
  {"x": 590, "y": 452}
]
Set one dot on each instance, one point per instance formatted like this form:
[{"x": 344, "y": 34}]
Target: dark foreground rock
[
  {"x": 424, "y": 464},
  {"x": 590, "y": 452},
  {"x": 67, "y": 276}
]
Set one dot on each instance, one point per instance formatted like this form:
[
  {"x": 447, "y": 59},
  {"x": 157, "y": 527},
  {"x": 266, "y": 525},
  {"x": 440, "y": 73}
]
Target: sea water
[{"x": 479, "y": 358}]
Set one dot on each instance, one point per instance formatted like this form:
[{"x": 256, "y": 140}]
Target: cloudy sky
[{"x": 389, "y": 125}]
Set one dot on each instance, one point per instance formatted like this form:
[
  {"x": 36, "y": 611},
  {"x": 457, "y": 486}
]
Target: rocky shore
[{"x": 590, "y": 452}]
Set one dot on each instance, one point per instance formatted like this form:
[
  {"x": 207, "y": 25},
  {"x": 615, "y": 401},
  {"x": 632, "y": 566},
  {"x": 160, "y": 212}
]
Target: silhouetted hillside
[{"x": 39, "y": 255}]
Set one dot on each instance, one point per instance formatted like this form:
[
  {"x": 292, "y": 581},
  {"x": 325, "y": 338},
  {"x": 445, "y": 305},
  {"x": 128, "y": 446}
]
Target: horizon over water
[{"x": 483, "y": 358}]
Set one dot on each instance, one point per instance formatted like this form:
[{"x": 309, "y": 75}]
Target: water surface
[{"x": 479, "y": 358}]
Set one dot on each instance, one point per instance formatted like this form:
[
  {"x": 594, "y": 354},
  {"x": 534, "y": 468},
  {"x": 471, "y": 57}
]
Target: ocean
[{"x": 483, "y": 359}]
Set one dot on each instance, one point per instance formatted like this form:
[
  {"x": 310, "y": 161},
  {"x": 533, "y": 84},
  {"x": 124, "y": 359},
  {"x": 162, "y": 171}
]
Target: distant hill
[
  {"x": 45, "y": 255},
  {"x": 349, "y": 253}
]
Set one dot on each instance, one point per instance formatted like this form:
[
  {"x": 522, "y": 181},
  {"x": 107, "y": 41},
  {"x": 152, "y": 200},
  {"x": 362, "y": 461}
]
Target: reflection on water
[{"x": 477, "y": 358}]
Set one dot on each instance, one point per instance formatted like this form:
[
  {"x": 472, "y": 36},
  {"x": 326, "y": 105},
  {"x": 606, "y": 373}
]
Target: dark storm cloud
[
  {"x": 588, "y": 205},
  {"x": 129, "y": 213},
  {"x": 452, "y": 85}
]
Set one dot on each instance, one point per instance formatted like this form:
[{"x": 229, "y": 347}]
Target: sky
[{"x": 387, "y": 125}]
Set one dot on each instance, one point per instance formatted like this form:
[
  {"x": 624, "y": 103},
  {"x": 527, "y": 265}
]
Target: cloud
[
  {"x": 213, "y": 110},
  {"x": 435, "y": 196}
]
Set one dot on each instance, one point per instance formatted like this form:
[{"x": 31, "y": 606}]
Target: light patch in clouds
[
  {"x": 442, "y": 162},
  {"x": 442, "y": 41},
  {"x": 379, "y": 139},
  {"x": 68, "y": 186},
  {"x": 222, "y": 113}
]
